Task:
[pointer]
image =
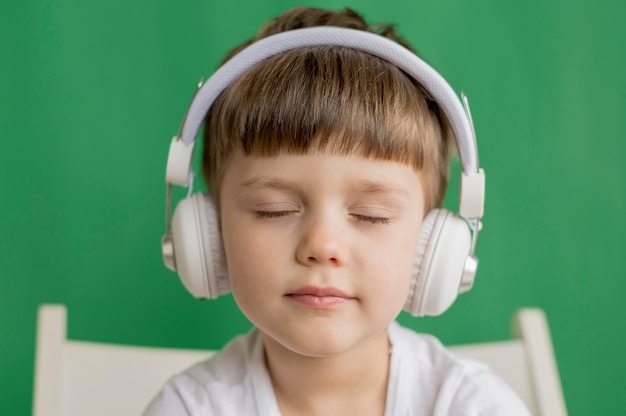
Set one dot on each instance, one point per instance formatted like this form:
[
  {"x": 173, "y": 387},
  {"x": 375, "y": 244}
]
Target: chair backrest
[
  {"x": 526, "y": 363},
  {"x": 88, "y": 378},
  {"x": 75, "y": 378}
]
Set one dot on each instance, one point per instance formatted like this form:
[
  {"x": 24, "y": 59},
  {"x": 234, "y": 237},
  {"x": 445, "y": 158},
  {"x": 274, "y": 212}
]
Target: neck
[{"x": 339, "y": 384}]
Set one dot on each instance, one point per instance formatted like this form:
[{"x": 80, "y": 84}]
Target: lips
[{"x": 319, "y": 297}]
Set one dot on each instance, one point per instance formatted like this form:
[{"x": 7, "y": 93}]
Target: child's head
[
  {"x": 324, "y": 160},
  {"x": 281, "y": 115},
  {"x": 328, "y": 99}
]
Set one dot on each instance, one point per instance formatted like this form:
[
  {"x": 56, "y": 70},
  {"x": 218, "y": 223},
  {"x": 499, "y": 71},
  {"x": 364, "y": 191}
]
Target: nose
[{"x": 322, "y": 242}]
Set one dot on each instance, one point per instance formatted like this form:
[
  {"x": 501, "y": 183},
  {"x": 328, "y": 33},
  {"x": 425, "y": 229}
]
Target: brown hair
[{"x": 327, "y": 99}]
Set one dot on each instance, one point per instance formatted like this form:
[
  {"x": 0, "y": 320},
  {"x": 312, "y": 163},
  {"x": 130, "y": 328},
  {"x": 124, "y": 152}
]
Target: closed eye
[
  {"x": 372, "y": 220},
  {"x": 273, "y": 214}
]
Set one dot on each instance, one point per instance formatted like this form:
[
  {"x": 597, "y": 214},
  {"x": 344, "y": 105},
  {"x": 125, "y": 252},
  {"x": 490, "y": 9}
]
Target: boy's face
[{"x": 319, "y": 247}]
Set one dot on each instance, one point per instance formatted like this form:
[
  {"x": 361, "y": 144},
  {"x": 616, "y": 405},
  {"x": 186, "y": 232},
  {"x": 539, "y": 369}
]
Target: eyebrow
[
  {"x": 363, "y": 186},
  {"x": 380, "y": 187},
  {"x": 264, "y": 182}
]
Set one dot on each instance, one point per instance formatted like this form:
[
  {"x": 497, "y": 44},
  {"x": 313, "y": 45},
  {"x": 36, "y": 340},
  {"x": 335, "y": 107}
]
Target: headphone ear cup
[
  {"x": 442, "y": 250},
  {"x": 198, "y": 248}
]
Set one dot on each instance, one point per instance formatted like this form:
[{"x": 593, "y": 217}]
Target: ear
[
  {"x": 199, "y": 251},
  {"x": 442, "y": 250}
]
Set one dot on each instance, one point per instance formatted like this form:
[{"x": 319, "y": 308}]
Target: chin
[
  {"x": 321, "y": 348},
  {"x": 324, "y": 341}
]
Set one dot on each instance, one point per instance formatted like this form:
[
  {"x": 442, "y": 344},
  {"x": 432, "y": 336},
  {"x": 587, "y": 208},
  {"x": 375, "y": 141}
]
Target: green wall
[{"x": 91, "y": 93}]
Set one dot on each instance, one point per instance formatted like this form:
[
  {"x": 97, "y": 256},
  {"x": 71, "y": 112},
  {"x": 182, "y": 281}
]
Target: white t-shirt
[{"x": 425, "y": 379}]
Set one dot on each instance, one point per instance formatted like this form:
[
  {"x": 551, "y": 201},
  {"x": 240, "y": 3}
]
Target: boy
[{"x": 323, "y": 162}]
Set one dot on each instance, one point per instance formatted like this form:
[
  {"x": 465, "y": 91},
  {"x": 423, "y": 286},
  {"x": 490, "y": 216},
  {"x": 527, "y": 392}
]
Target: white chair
[
  {"x": 75, "y": 378},
  {"x": 88, "y": 378},
  {"x": 526, "y": 362}
]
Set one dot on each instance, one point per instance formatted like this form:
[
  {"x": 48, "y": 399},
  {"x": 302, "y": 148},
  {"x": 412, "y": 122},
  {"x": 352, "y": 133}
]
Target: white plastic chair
[
  {"x": 78, "y": 378},
  {"x": 87, "y": 378},
  {"x": 526, "y": 363}
]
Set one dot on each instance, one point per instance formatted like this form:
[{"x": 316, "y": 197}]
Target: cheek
[
  {"x": 249, "y": 257},
  {"x": 245, "y": 277},
  {"x": 394, "y": 265}
]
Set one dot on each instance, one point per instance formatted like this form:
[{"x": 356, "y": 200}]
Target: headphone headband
[{"x": 371, "y": 43}]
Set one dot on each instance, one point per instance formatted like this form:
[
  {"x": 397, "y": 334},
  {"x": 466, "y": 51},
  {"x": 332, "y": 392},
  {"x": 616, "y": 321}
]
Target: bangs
[{"x": 327, "y": 99}]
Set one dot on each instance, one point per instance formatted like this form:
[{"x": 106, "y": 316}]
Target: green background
[{"x": 91, "y": 93}]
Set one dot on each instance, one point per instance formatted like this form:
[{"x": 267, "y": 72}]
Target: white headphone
[{"x": 444, "y": 263}]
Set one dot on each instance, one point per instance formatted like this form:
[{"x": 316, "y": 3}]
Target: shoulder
[
  {"x": 211, "y": 387},
  {"x": 440, "y": 382}
]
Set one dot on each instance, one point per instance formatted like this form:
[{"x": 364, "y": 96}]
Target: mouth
[{"x": 319, "y": 297}]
